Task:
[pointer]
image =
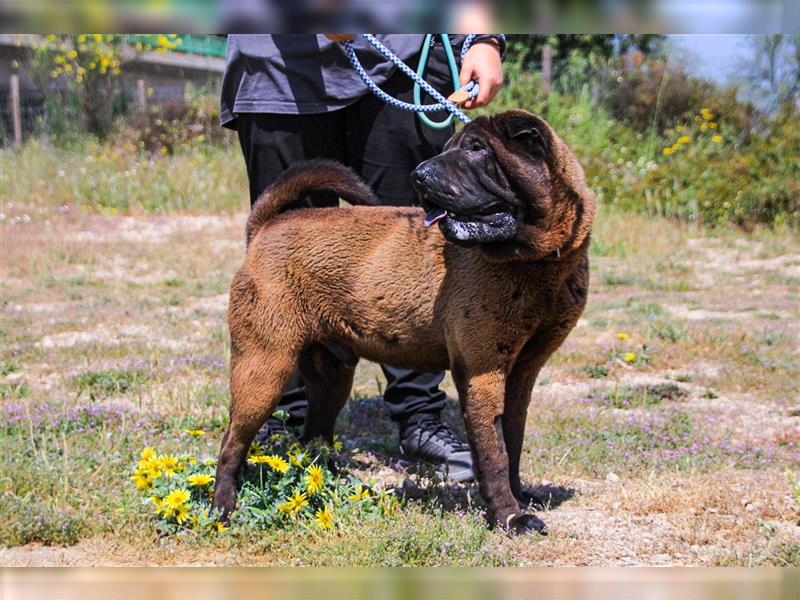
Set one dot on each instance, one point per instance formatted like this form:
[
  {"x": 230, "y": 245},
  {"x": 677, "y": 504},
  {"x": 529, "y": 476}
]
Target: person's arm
[
  {"x": 483, "y": 60},
  {"x": 483, "y": 64}
]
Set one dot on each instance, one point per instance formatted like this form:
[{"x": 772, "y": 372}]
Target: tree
[{"x": 773, "y": 73}]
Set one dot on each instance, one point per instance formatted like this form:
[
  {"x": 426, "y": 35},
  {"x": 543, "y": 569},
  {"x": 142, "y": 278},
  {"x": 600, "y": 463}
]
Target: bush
[
  {"x": 163, "y": 128},
  {"x": 24, "y": 522},
  {"x": 291, "y": 487}
]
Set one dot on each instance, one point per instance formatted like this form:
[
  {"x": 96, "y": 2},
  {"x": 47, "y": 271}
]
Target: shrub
[
  {"x": 25, "y": 522},
  {"x": 287, "y": 488}
]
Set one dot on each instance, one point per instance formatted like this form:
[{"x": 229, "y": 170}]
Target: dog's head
[{"x": 508, "y": 183}]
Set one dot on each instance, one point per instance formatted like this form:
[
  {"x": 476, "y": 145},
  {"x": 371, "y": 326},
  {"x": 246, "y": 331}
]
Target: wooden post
[
  {"x": 141, "y": 96},
  {"x": 16, "y": 112},
  {"x": 547, "y": 68}
]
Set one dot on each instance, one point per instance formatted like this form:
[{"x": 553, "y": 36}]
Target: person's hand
[{"x": 482, "y": 63}]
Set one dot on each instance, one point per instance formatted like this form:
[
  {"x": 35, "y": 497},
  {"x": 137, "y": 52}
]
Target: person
[{"x": 297, "y": 97}]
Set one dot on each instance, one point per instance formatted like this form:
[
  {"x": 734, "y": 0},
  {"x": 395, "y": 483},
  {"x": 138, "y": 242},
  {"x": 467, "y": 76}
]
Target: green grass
[{"x": 118, "y": 177}]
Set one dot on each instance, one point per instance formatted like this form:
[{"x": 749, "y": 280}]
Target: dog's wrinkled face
[{"x": 491, "y": 179}]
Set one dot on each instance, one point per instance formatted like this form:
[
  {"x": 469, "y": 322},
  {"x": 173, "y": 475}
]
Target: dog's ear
[{"x": 527, "y": 130}]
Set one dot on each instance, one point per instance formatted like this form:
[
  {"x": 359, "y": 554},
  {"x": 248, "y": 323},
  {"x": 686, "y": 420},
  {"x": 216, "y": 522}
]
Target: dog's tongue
[{"x": 434, "y": 215}]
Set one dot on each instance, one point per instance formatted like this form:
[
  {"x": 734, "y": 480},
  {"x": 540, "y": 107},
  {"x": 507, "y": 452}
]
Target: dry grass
[{"x": 125, "y": 316}]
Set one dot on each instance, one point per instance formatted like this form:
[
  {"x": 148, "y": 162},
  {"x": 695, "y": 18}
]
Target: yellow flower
[
  {"x": 361, "y": 493},
  {"x": 176, "y": 498},
  {"x": 684, "y": 139},
  {"x": 294, "y": 505},
  {"x": 51, "y": 38},
  {"x": 147, "y": 455},
  {"x": 324, "y": 518},
  {"x": 629, "y": 357},
  {"x": 220, "y": 526},
  {"x": 716, "y": 139},
  {"x": 195, "y": 432},
  {"x": 72, "y": 54},
  {"x": 712, "y": 125},
  {"x": 142, "y": 480},
  {"x": 276, "y": 463},
  {"x": 258, "y": 460},
  {"x": 703, "y": 126},
  {"x": 199, "y": 479},
  {"x": 156, "y": 502},
  {"x": 622, "y": 336},
  {"x": 337, "y": 445},
  {"x": 169, "y": 464},
  {"x": 314, "y": 479},
  {"x": 182, "y": 514},
  {"x": 98, "y": 38},
  {"x": 667, "y": 151},
  {"x": 164, "y": 150},
  {"x": 82, "y": 39}
]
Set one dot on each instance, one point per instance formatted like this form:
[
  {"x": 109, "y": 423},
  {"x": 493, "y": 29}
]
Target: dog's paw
[{"x": 526, "y": 523}]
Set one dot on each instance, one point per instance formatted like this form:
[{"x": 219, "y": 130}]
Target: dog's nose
[{"x": 419, "y": 175}]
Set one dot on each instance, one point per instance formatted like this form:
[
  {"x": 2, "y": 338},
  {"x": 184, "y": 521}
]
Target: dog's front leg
[{"x": 482, "y": 399}]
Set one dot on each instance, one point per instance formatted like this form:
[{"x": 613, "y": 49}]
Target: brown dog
[{"x": 490, "y": 293}]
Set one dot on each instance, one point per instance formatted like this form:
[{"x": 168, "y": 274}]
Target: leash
[{"x": 471, "y": 88}]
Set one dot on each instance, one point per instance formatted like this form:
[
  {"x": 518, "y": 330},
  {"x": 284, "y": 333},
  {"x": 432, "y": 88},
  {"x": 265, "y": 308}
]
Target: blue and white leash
[{"x": 442, "y": 103}]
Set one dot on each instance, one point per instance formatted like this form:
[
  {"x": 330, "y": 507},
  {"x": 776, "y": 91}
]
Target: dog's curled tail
[{"x": 298, "y": 180}]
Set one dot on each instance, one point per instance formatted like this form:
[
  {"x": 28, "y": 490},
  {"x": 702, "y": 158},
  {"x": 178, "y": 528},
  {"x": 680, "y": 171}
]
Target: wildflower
[
  {"x": 324, "y": 518},
  {"x": 712, "y": 125},
  {"x": 176, "y": 498},
  {"x": 142, "y": 480},
  {"x": 703, "y": 126},
  {"x": 195, "y": 432},
  {"x": 716, "y": 138},
  {"x": 276, "y": 463},
  {"x": 220, "y": 526},
  {"x": 314, "y": 479},
  {"x": 706, "y": 114},
  {"x": 684, "y": 139},
  {"x": 164, "y": 150},
  {"x": 182, "y": 514},
  {"x": 258, "y": 460},
  {"x": 295, "y": 504},
  {"x": 156, "y": 502},
  {"x": 199, "y": 479},
  {"x": 629, "y": 357},
  {"x": 169, "y": 464},
  {"x": 622, "y": 336},
  {"x": 360, "y": 493},
  {"x": 667, "y": 151},
  {"x": 337, "y": 445}
]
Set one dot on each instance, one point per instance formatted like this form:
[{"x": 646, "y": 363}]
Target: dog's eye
[{"x": 475, "y": 146}]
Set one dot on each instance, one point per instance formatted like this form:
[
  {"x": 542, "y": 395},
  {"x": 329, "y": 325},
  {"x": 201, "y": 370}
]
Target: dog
[{"x": 486, "y": 279}]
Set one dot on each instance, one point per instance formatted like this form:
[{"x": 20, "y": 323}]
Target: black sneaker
[
  {"x": 429, "y": 440},
  {"x": 271, "y": 427}
]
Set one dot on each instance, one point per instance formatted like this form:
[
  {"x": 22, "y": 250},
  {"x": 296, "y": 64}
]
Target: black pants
[{"x": 383, "y": 145}]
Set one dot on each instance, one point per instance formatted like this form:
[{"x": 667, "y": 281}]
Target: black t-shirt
[{"x": 305, "y": 73}]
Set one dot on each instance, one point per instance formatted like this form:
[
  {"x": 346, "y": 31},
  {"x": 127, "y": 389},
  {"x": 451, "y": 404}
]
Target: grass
[{"x": 108, "y": 347}]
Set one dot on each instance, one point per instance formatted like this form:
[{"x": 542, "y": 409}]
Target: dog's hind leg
[
  {"x": 258, "y": 377},
  {"x": 328, "y": 384}
]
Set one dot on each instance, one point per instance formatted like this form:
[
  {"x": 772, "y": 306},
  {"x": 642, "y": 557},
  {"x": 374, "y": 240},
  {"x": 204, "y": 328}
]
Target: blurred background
[{"x": 574, "y": 16}]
